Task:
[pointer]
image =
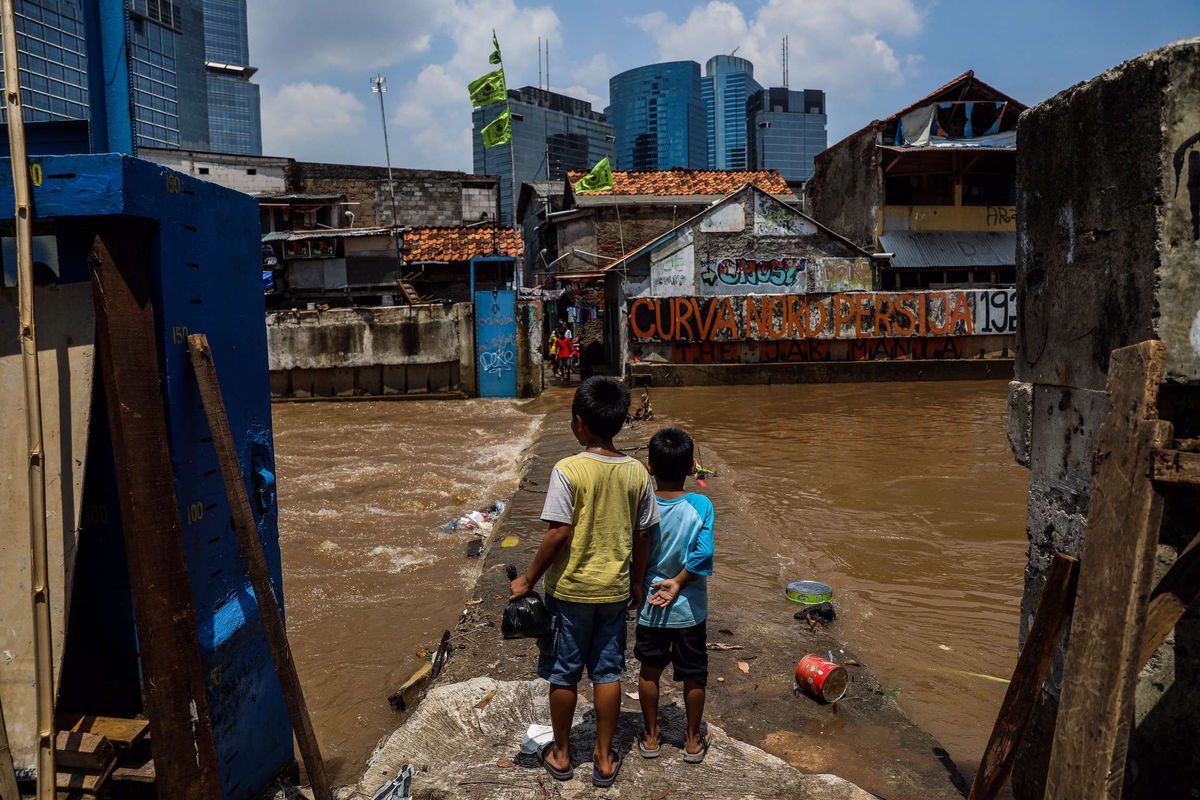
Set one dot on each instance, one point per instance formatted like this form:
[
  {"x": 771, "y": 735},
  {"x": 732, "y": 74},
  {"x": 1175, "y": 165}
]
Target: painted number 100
[{"x": 195, "y": 512}]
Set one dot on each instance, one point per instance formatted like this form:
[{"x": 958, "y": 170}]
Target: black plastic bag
[{"x": 526, "y": 617}]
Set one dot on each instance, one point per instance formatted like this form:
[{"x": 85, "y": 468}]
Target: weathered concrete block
[
  {"x": 1108, "y": 199},
  {"x": 1020, "y": 408}
]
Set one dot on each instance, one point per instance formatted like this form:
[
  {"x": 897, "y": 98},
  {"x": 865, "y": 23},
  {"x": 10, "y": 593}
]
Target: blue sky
[{"x": 872, "y": 57}]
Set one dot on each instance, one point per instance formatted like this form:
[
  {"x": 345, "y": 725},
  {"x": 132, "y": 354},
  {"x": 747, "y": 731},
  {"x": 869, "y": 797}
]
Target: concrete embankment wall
[
  {"x": 812, "y": 338},
  {"x": 1108, "y": 210},
  {"x": 387, "y": 351},
  {"x": 372, "y": 351}
]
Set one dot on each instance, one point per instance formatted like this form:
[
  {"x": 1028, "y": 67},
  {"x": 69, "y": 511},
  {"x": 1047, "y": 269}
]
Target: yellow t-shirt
[{"x": 605, "y": 499}]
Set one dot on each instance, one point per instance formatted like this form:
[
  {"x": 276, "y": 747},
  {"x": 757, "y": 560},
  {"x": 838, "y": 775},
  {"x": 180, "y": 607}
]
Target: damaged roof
[
  {"x": 324, "y": 233},
  {"x": 679, "y": 182},
  {"x": 461, "y": 243}
]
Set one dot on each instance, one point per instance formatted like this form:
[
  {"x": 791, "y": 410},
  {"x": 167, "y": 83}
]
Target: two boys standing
[{"x": 611, "y": 541}]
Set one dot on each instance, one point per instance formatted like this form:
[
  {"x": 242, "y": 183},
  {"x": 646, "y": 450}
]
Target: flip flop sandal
[
  {"x": 696, "y": 758},
  {"x": 646, "y": 752},
  {"x": 555, "y": 772},
  {"x": 605, "y": 781}
]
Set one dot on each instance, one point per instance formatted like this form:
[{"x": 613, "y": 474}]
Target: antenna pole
[
  {"x": 540, "y": 62},
  {"x": 379, "y": 87}
]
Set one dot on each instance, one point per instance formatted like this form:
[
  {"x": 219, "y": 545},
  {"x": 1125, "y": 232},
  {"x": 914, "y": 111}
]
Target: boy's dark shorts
[{"x": 684, "y": 648}]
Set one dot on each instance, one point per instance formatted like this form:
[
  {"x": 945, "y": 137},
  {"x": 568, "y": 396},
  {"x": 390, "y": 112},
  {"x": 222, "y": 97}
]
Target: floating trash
[{"x": 510, "y": 541}]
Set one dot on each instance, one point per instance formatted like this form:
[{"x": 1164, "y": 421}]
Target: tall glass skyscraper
[
  {"x": 234, "y": 119},
  {"x": 182, "y": 96},
  {"x": 552, "y": 134},
  {"x": 728, "y": 81},
  {"x": 52, "y": 61},
  {"x": 658, "y": 114},
  {"x": 785, "y": 131}
]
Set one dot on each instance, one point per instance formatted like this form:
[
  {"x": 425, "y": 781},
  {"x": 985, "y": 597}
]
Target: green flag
[
  {"x": 599, "y": 179},
  {"x": 488, "y": 89},
  {"x": 495, "y": 58},
  {"x": 498, "y": 131}
]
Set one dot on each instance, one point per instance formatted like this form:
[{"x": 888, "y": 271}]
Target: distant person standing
[
  {"x": 566, "y": 354},
  {"x": 555, "y": 338}
]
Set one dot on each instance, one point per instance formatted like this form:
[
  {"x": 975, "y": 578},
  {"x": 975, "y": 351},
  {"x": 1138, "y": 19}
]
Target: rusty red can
[{"x": 822, "y": 678}]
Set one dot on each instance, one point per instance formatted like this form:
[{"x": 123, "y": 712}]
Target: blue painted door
[{"x": 496, "y": 342}]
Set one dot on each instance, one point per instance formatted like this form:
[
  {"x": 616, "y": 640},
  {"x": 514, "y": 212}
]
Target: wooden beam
[
  {"x": 1095, "y": 714},
  {"x": 8, "y": 774},
  {"x": 1177, "y": 590},
  {"x": 1176, "y": 467},
  {"x": 246, "y": 529},
  {"x": 163, "y": 604},
  {"x": 123, "y": 733},
  {"x": 1054, "y": 607},
  {"x": 83, "y": 751}
]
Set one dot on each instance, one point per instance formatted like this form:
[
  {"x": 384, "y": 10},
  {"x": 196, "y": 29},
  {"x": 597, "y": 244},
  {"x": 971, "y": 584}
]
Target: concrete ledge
[
  {"x": 820, "y": 372},
  {"x": 464, "y": 742}
]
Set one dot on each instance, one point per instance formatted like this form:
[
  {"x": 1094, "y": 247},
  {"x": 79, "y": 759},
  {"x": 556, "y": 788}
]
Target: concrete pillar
[
  {"x": 1108, "y": 209},
  {"x": 465, "y": 316}
]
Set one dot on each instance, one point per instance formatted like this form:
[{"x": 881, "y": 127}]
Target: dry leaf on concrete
[
  {"x": 744, "y": 667},
  {"x": 487, "y": 698},
  {"x": 504, "y": 763}
]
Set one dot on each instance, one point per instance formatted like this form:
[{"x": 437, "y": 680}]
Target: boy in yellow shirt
[{"x": 599, "y": 508}]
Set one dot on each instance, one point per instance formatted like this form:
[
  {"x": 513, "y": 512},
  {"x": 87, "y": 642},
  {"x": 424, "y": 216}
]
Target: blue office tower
[
  {"x": 234, "y": 119},
  {"x": 187, "y": 68},
  {"x": 658, "y": 114},
  {"x": 728, "y": 82}
]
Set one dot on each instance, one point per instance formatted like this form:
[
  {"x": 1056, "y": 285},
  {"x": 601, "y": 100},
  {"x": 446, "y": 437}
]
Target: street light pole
[{"x": 379, "y": 86}]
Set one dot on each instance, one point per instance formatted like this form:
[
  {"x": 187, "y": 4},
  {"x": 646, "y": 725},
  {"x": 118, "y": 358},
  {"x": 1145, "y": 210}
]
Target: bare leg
[
  {"x": 562, "y": 710},
  {"x": 607, "y": 697},
  {"x": 693, "y": 700},
  {"x": 648, "y": 697}
]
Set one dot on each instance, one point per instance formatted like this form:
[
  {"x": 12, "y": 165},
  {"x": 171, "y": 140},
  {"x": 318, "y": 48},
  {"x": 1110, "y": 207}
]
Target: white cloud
[
  {"x": 311, "y": 118},
  {"x": 432, "y": 109},
  {"x": 843, "y": 46},
  {"x": 306, "y": 39}
]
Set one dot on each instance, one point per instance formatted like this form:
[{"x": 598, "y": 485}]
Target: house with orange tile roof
[
  {"x": 569, "y": 233},
  {"x": 933, "y": 184}
]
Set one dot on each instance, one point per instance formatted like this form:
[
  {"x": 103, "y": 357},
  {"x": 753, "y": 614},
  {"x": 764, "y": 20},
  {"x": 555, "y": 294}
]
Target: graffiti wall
[{"x": 814, "y": 327}]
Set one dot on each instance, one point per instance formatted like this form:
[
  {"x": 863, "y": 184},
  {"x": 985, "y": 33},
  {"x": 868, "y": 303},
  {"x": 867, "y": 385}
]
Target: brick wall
[{"x": 423, "y": 197}]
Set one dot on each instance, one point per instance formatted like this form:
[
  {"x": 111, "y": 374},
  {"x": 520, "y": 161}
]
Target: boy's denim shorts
[{"x": 584, "y": 634}]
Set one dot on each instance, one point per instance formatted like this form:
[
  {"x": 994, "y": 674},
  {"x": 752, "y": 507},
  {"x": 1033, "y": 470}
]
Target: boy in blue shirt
[{"x": 671, "y": 623}]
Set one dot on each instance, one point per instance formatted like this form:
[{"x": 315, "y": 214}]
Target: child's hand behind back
[{"x": 665, "y": 592}]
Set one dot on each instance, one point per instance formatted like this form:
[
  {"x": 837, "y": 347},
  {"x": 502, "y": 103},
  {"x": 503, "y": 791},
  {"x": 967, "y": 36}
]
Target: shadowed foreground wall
[{"x": 1108, "y": 210}]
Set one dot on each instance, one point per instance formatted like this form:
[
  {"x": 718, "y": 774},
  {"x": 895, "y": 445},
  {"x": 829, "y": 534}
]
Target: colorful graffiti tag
[
  {"x": 734, "y": 274},
  {"x": 851, "y": 315},
  {"x": 840, "y": 275}
]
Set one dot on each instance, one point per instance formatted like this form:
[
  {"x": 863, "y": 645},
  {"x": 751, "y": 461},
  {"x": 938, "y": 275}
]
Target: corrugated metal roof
[
  {"x": 326, "y": 233},
  {"x": 950, "y": 249},
  {"x": 303, "y": 197}
]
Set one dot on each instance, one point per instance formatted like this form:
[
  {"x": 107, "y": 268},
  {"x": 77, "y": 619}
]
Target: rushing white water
[{"x": 368, "y": 578}]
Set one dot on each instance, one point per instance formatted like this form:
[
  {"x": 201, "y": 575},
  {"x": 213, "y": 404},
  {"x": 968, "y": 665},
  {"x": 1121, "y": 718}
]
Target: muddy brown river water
[{"x": 903, "y": 496}]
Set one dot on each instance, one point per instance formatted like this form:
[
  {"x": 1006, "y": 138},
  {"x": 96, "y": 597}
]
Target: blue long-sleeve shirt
[{"x": 683, "y": 539}]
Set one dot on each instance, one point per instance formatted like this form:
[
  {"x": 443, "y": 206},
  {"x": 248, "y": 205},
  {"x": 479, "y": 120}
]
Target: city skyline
[{"x": 869, "y": 57}]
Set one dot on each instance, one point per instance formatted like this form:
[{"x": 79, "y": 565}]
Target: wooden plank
[
  {"x": 173, "y": 688},
  {"x": 83, "y": 751},
  {"x": 1177, "y": 467},
  {"x": 123, "y": 733},
  {"x": 1095, "y": 714},
  {"x": 1177, "y": 590},
  {"x": 8, "y": 775},
  {"x": 140, "y": 772},
  {"x": 83, "y": 781},
  {"x": 1054, "y": 607},
  {"x": 246, "y": 529}
]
